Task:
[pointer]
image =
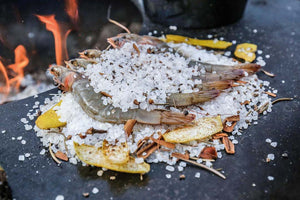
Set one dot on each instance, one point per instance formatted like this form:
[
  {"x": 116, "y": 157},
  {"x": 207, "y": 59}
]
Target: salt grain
[
  {"x": 4, "y": 131},
  {"x": 59, "y": 197},
  {"x": 268, "y": 140},
  {"x": 27, "y": 155},
  {"x": 180, "y": 168},
  {"x": 174, "y": 28},
  {"x": 95, "y": 190},
  {"x": 43, "y": 151},
  {"x": 197, "y": 175},
  {"x": 270, "y": 178},
  {"x": 271, "y": 156},
  {"x": 100, "y": 173},
  {"x": 168, "y": 175},
  {"x": 182, "y": 164},
  {"x": 170, "y": 168},
  {"x": 273, "y": 144},
  {"x": 23, "y": 142},
  {"x": 21, "y": 157}
]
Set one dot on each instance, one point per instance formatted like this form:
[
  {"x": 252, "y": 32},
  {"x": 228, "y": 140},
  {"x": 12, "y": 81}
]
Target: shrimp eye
[
  {"x": 185, "y": 112},
  {"x": 86, "y": 53}
]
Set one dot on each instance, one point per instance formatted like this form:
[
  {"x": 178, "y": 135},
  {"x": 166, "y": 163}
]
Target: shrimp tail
[
  {"x": 217, "y": 85},
  {"x": 186, "y": 99},
  {"x": 168, "y": 117},
  {"x": 250, "y": 68}
]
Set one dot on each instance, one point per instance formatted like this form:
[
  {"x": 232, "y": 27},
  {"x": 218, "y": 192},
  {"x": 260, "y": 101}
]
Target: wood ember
[
  {"x": 129, "y": 126},
  {"x": 229, "y": 146},
  {"x": 208, "y": 153},
  {"x": 61, "y": 156}
]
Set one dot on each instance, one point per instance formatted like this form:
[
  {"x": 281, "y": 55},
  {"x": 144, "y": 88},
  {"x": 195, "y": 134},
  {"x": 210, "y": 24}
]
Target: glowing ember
[
  {"x": 60, "y": 33},
  {"x": 17, "y": 70},
  {"x": 72, "y": 10}
]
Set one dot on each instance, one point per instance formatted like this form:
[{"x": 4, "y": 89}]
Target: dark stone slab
[{"x": 278, "y": 35}]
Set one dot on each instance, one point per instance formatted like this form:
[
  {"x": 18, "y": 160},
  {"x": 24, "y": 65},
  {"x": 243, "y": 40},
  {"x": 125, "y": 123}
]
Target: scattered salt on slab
[
  {"x": 270, "y": 178},
  {"x": 180, "y": 169},
  {"x": 268, "y": 140},
  {"x": 235, "y": 142},
  {"x": 273, "y": 144},
  {"x": 271, "y": 156},
  {"x": 209, "y": 36},
  {"x": 95, "y": 190},
  {"x": 13, "y": 138},
  {"x": 19, "y": 138},
  {"x": 253, "y": 184},
  {"x": 168, "y": 175},
  {"x": 254, "y": 30},
  {"x": 267, "y": 56},
  {"x": 23, "y": 141},
  {"x": 182, "y": 164},
  {"x": 4, "y": 131},
  {"x": 259, "y": 52},
  {"x": 208, "y": 163},
  {"x": 197, "y": 175},
  {"x": 283, "y": 81},
  {"x": 21, "y": 157},
  {"x": 170, "y": 168},
  {"x": 43, "y": 151},
  {"x": 59, "y": 197},
  {"x": 100, "y": 173},
  {"x": 27, "y": 155},
  {"x": 174, "y": 28}
]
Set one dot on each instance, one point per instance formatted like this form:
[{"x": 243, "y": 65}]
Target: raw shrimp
[
  {"x": 92, "y": 104},
  {"x": 77, "y": 63},
  {"x": 90, "y": 53}
]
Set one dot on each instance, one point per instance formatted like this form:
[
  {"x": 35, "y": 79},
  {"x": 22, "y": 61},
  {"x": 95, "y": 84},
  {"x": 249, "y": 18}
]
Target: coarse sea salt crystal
[
  {"x": 180, "y": 168},
  {"x": 59, "y": 197},
  {"x": 23, "y": 141},
  {"x": 182, "y": 164},
  {"x": 271, "y": 156},
  {"x": 270, "y": 178},
  {"x": 19, "y": 138},
  {"x": 168, "y": 175},
  {"x": 28, "y": 127},
  {"x": 43, "y": 151},
  {"x": 170, "y": 168},
  {"x": 197, "y": 175},
  {"x": 174, "y": 28},
  {"x": 4, "y": 131},
  {"x": 95, "y": 190},
  {"x": 273, "y": 144},
  {"x": 268, "y": 140},
  {"x": 27, "y": 155},
  {"x": 21, "y": 157}
]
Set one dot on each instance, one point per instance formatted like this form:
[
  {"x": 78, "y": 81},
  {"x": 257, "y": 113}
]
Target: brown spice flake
[
  {"x": 82, "y": 136},
  {"x": 271, "y": 94},
  {"x": 105, "y": 94},
  {"x": 245, "y": 102},
  {"x": 86, "y": 194},
  {"x": 91, "y": 131},
  {"x": 208, "y": 153},
  {"x": 233, "y": 119},
  {"x": 180, "y": 155},
  {"x": 61, "y": 156},
  {"x": 136, "y": 48},
  {"x": 151, "y": 101},
  {"x": 229, "y": 146},
  {"x": 147, "y": 150},
  {"x": 129, "y": 126},
  {"x": 136, "y": 102},
  {"x": 219, "y": 135},
  {"x": 241, "y": 82},
  {"x": 182, "y": 177},
  {"x": 163, "y": 143}
]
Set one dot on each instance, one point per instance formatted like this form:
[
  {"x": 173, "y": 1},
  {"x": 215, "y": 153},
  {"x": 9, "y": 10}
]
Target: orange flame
[
  {"x": 60, "y": 33},
  {"x": 72, "y": 10},
  {"x": 21, "y": 61}
]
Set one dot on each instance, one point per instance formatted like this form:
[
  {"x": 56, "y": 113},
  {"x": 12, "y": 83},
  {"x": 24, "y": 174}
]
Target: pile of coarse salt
[{"x": 128, "y": 75}]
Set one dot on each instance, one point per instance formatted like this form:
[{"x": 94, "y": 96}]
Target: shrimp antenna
[{"x": 115, "y": 22}]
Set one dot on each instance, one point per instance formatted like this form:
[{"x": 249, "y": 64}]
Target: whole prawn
[{"x": 92, "y": 104}]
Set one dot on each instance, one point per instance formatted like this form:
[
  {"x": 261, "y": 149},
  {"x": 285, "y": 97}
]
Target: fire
[
  {"x": 72, "y": 10},
  {"x": 17, "y": 69},
  {"x": 60, "y": 33}
]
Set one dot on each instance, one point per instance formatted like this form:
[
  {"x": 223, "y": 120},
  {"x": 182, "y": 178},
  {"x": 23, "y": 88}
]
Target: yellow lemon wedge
[
  {"x": 94, "y": 156},
  {"x": 246, "y": 51},
  {"x": 49, "y": 119}
]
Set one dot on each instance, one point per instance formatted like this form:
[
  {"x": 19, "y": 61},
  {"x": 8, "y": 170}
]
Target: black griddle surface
[{"x": 278, "y": 35}]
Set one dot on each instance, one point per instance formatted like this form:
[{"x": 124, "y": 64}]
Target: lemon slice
[
  {"x": 94, "y": 156},
  {"x": 117, "y": 154},
  {"x": 49, "y": 119}
]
